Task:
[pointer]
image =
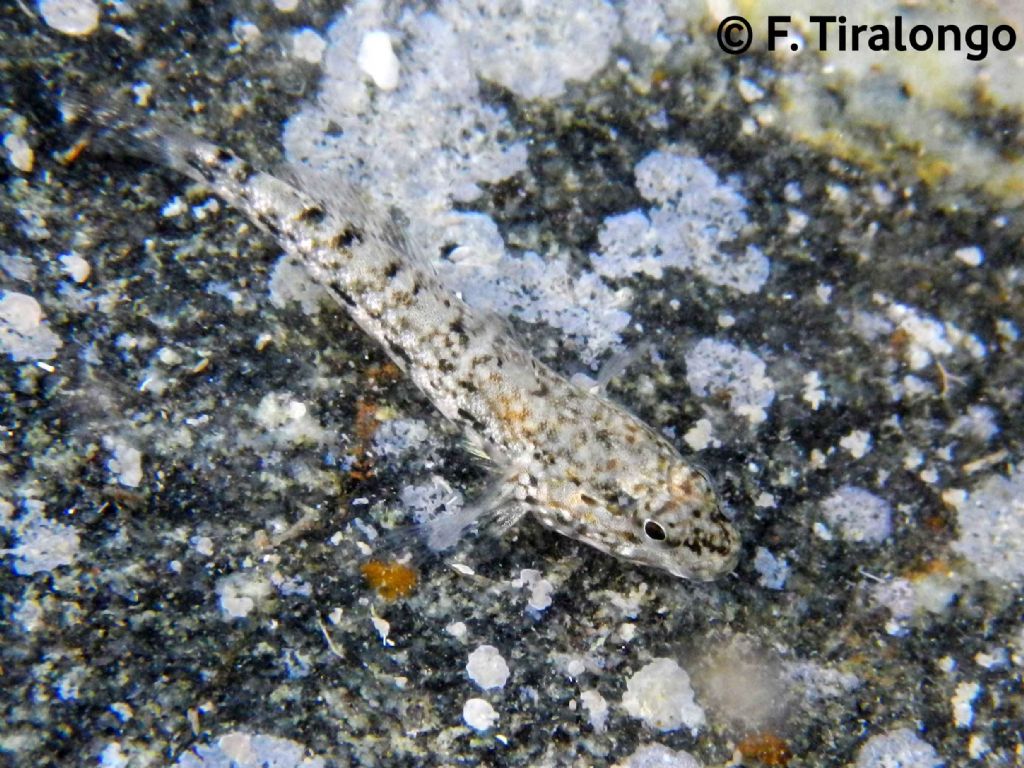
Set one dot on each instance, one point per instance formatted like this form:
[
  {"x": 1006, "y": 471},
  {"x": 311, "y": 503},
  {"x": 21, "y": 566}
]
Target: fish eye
[{"x": 654, "y": 531}]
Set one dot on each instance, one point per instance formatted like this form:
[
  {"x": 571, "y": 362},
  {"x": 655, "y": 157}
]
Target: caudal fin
[{"x": 115, "y": 125}]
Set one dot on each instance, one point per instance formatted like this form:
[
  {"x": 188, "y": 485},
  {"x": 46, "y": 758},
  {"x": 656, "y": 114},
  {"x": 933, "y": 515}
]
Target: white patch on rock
[
  {"x": 700, "y": 435},
  {"x": 126, "y": 462},
  {"x": 479, "y": 715},
  {"x": 963, "y": 703},
  {"x": 991, "y": 524},
  {"x": 857, "y": 443},
  {"x": 971, "y": 255},
  {"x": 240, "y": 749},
  {"x": 694, "y": 218},
  {"x": 487, "y": 668},
  {"x": 899, "y": 748},
  {"x": 42, "y": 544},
  {"x": 308, "y": 46},
  {"x": 597, "y": 709},
  {"x": 399, "y": 438},
  {"x": 287, "y": 420},
  {"x": 859, "y": 515},
  {"x": 72, "y": 17},
  {"x": 659, "y": 756},
  {"x": 24, "y": 334},
  {"x": 533, "y": 47},
  {"x": 773, "y": 571},
  {"x": 291, "y": 282},
  {"x": 540, "y": 588},
  {"x": 377, "y": 59},
  {"x": 661, "y": 696},
  {"x": 19, "y": 152},
  {"x": 240, "y": 593},
  {"x": 718, "y": 366}
]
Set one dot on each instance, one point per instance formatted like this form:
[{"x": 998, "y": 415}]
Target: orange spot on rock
[
  {"x": 384, "y": 373},
  {"x": 365, "y": 427},
  {"x": 899, "y": 341},
  {"x": 765, "y": 748},
  {"x": 660, "y": 78},
  {"x": 926, "y": 568},
  {"x": 390, "y": 580},
  {"x": 72, "y": 154}
]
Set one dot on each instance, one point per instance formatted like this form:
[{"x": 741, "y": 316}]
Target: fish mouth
[
  {"x": 718, "y": 566},
  {"x": 727, "y": 566},
  {"x": 712, "y": 573}
]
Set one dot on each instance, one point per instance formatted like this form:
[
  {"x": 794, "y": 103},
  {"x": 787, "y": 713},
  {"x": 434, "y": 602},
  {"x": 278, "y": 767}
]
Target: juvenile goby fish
[{"x": 582, "y": 465}]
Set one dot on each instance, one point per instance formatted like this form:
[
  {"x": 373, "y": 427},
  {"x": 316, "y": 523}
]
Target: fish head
[
  {"x": 657, "y": 511},
  {"x": 679, "y": 526}
]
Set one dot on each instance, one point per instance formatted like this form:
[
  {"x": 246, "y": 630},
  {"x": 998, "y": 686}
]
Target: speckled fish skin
[{"x": 582, "y": 465}]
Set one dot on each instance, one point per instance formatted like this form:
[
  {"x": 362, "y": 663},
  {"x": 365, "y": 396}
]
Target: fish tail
[{"x": 114, "y": 124}]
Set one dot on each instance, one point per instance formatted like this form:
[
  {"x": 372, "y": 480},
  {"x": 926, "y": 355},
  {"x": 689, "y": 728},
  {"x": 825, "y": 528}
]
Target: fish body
[{"x": 579, "y": 463}]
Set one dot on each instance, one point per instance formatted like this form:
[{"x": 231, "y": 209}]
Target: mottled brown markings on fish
[
  {"x": 580, "y": 439},
  {"x": 362, "y": 266},
  {"x": 457, "y": 327},
  {"x": 207, "y": 170},
  {"x": 363, "y": 288},
  {"x": 437, "y": 337},
  {"x": 242, "y": 171},
  {"x": 268, "y": 224},
  {"x": 563, "y": 512},
  {"x": 402, "y": 299},
  {"x": 346, "y": 297},
  {"x": 224, "y": 162},
  {"x": 512, "y": 411},
  {"x": 346, "y": 237},
  {"x": 328, "y": 260},
  {"x": 398, "y": 352},
  {"x": 544, "y": 457},
  {"x": 468, "y": 417},
  {"x": 313, "y": 214}
]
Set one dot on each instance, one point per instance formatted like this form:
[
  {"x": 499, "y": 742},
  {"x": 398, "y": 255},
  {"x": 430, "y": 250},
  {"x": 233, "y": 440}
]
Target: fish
[{"x": 565, "y": 454}]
